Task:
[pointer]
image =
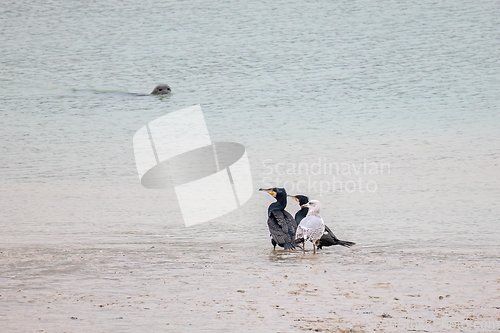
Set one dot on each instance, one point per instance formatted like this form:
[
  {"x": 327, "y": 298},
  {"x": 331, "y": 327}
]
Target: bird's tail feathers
[{"x": 346, "y": 243}]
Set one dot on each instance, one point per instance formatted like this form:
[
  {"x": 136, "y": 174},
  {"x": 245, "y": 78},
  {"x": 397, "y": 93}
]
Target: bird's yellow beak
[{"x": 268, "y": 190}]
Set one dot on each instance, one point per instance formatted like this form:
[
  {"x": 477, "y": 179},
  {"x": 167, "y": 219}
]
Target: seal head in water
[{"x": 161, "y": 89}]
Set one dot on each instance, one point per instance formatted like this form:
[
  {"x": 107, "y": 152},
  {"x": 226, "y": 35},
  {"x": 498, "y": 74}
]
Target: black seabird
[
  {"x": 328, "y": 238},
  {"x": 282, "y": 225}
]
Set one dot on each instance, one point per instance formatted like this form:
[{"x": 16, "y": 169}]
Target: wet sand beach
[
  {"x": 224, "y": 276},
  {"x": 227, "y": 287}
]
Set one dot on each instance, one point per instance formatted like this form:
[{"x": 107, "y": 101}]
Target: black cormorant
[
  {"x": 328, "y": 238},
  {"x": 282, "y": 225}
]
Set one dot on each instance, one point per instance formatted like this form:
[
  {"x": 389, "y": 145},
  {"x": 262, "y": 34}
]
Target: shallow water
[{"x": 387, "y": 114}]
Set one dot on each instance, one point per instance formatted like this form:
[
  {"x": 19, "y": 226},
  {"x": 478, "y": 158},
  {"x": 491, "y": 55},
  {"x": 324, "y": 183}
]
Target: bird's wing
[
  {"x": 291, "y": 220},
  {"x": 313, "y": 225},
  {"x": 284, "y": 219},
  {"x": 311, "y": 222},
  {"x": 329, "y": 239},
  {"x": 281, "y": 225},
  {"x": 330, "y": 233}
]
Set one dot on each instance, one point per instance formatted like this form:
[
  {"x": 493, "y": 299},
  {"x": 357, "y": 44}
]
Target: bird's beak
[
  {"x": 268, "y": 190},
  {"x": 291, "y": 196}
]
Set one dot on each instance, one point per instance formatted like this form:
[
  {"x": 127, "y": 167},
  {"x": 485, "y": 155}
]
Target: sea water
[{"x": 386, "y": 112}]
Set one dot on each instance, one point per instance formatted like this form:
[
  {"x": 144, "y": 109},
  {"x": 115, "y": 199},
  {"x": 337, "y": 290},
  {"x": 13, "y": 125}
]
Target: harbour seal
[{"x": 161, "y": 89}]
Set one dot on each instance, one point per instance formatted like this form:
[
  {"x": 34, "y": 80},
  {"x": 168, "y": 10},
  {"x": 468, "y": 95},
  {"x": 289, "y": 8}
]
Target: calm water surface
[{"x": 395, "y": 103}]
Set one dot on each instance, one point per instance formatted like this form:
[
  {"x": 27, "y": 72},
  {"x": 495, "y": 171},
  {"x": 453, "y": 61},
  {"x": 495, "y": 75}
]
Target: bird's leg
[
  {"x": 303, "y": 245},
  {"x": 314, "y": 247}
]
